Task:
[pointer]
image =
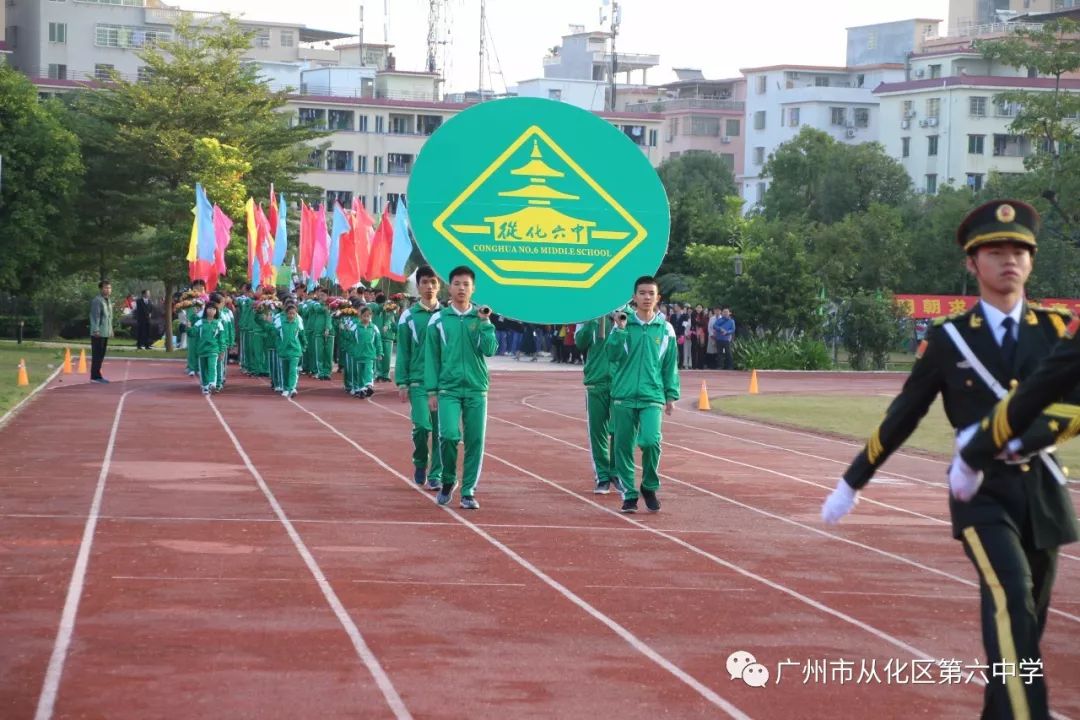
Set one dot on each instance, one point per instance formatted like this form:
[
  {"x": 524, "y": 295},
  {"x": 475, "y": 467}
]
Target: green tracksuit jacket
[
  {"x": 455, "y": 352},
  {"x": 411, "y": 331},
  {"x": 588, "y": 340},
  {"x": 644, "y": 362},
  {"x": 288, "y": 337},
  {"x": 208, "y": 336}
]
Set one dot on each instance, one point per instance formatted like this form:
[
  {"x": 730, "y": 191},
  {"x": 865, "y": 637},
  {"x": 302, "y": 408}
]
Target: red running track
[{"x": 165, "y": 556}]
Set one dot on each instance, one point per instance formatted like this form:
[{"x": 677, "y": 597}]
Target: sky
[{"x": 716, "y": 36}]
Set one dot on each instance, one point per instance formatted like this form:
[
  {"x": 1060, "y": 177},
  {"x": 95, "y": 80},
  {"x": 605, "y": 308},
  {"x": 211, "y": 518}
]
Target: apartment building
[
  {"x": 782, "y": 99},
  {"x": 375, "y": 142},
  {"x": 82, "y": 40},
  {"x": 946, "y": 125},
  {"x": 700, "y": 115},
  {"x": 979, "y": 16}
]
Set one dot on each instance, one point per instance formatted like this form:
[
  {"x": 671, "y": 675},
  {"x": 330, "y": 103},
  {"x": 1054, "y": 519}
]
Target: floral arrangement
[
  {"x": 267, "y": 303},
  {"x": 190, "y": 298},
  {"x": 346, "y": 311}
]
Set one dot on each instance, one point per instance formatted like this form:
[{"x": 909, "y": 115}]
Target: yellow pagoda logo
[{"x": 541, "y": 221}]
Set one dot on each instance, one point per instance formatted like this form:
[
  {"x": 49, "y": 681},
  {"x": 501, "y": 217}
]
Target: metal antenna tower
[
  {"x": 483, "y": 49},
  {"x": 434, "y": 12}
]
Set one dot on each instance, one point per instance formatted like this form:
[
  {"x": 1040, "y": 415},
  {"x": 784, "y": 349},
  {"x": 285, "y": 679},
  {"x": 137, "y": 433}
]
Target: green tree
[
  {"x": 778, "y": 288},
  {"x": 1047, "y": 118},
  {"x": 700, "y": 188},
  {"x": 818, "y": 179},
  {"x": 864, "y": 250},
  {"x": 41, "y": 176},
  {"x": 870, "y": 323},
  {"x": 200, "y": 114},
  {"x": 935, "y": 260}
]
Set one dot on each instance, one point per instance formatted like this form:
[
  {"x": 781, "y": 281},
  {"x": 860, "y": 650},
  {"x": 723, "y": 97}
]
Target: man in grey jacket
[{"x": 101, "y": 329}]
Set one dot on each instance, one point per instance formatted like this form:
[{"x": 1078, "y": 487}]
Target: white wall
[{"x": 584, "y": 94}]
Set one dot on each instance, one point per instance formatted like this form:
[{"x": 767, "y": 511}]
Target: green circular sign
[{"x": 556, "y": 210}]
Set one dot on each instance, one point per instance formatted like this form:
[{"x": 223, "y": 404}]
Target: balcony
[
  {"x": 673, "y": 105},
  {"x": 972, "y": 31}
]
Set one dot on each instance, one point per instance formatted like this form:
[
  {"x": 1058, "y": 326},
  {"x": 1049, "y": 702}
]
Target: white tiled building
[{"x": 782, "y": 99}]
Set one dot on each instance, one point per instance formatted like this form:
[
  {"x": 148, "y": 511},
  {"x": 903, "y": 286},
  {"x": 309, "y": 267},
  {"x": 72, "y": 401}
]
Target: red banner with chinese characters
[{"x": 931, "y": 306}]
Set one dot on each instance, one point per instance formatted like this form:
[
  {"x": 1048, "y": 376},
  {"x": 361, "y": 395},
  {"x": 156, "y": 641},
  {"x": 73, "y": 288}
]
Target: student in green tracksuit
[
  {"x": 207, "y": 336},
  {"x": 290, "y": 341},
  {"x": 644, "y": 383},
  {"x": 459, "y": 340},
  {"x": 228, "y": 324},
  {"x": 194, "y": 312},
  {"x": 409, "y": 376},
  {"x": 348, "y": 320},
  {"x": 303, "y": 307},
  {"x": 590, "y": 338},
  {"x": 319, "y": 328},
  {"x": 388, "y": 327},
  {"x": 377, "y": 314},
  {"x": 243, "y": 303},
  {"x": 368, "y": 351},
  {"x": 265, "y": 318}
]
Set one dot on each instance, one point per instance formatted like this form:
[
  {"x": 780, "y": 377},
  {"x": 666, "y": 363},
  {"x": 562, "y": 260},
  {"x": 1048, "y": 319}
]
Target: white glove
[
  {"x": 839, "y": 503},
  {"x": 964, "y": 480}
]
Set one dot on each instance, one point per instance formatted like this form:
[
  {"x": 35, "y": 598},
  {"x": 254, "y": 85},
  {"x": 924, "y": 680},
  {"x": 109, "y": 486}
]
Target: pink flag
[
  {"x": 222, "y": 229},
  {"x": 320, "y": 251}
]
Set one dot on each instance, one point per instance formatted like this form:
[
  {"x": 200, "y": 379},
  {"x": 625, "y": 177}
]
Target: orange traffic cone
[
  {"x": 23, "y": 379},
  {"x": 82, "y": 362},
  {"x": 67, "y": 361},
  {"x": 703, "y": 398},
  {"x": 753, "y": 382}
]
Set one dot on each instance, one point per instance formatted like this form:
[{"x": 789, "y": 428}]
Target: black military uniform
[
  {"x": 1057, "y": 378},
  {"x": 1012, "y": 527}
]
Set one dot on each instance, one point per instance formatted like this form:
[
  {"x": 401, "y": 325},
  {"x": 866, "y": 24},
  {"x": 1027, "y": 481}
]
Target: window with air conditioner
[{"x": 862, "y": 117}]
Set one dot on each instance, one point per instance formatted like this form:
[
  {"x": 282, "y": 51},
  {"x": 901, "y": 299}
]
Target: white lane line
[
  {"x": 33, "y": 393},
  {"x": 789, "y": 521},
  {"x": 397, "y": 706},
  {"x": 54, "y": 673},
  {"x": 615, "y": 627},
  {"x": 430, "y": 583},
  {"x": 865, "y": 499},
  {"x": 748, "y": 441}
]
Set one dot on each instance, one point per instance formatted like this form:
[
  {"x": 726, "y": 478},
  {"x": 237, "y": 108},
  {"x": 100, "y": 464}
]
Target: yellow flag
[
  {"x": 253, "y": 234},
  {"x": 192, "y": 249}
]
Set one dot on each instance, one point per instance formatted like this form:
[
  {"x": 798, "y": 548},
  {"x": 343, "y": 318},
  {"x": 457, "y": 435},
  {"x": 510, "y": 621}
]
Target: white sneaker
[{"x": 284, "y": 393}]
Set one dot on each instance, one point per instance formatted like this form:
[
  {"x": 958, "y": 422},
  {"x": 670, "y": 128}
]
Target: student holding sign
[
  {"x": 459, "y": 340},
  {"x": 644, "y": 380}
]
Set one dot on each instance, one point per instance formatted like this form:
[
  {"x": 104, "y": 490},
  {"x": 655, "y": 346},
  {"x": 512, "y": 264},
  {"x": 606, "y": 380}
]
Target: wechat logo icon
[{"x": 742, "y": 665}]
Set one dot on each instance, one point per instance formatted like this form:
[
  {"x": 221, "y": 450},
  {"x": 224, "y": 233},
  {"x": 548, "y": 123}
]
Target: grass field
[
  {"x": 40, "y": 363},
  {"x": 117, "y": 346},
  {"x": 851, "y": 416}
]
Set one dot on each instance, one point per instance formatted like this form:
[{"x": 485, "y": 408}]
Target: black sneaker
[
  {"x": 651, "y": 501},
  {"x": 629, "y": 506},
  {"x": 443, "y": 498},
  {"x": 420, "y": 475},
  {"x": 602, "y": 488}
]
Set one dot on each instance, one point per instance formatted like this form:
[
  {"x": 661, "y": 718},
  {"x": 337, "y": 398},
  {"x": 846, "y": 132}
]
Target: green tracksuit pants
[
  {"x": 256, "y": 354},
  {"x": 347, "y": 371},
  {"x": 290, "y": 372},
  {"x": 208, "y": 371},
  {"x": 273, "y": 366},
  {"x": 637, "y": 426},
  {"x": 387, "y": 357},
  {"x": 323, "y": 356},
  {"x": 223, "y": 369},
  {"x": 192, "y": 358},
  {"x": 598, "y": 410},
  {"x": 423, "y": 423},
  {"x": 307, "y": 360},
  {"x": 455, "y": 412}
]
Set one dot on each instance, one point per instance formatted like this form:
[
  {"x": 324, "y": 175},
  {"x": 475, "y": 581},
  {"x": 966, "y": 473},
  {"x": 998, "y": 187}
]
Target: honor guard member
[{"x": 1012, "y": 525}]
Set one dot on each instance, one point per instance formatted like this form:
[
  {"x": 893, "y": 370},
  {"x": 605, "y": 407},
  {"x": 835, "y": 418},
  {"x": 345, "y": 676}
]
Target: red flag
[
  {"x": 348, "y": 267},
  {"x": 381, "y": 245},
  {"x": 273, "y": 212},
  {"x": 264, "y": 244},
  {"x": 363, "y": 228},
  {"x": 203, "y": 270}
]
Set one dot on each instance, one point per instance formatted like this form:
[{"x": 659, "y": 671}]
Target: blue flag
[
  {"x": 402, "y": 247},
  {"x": 339, "y": 225},
  {"x": 281, "y": 238},
  {"x": 207, "y": 242}
]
